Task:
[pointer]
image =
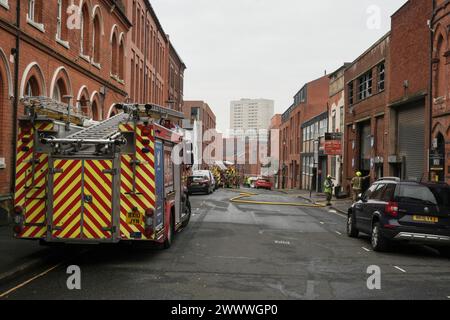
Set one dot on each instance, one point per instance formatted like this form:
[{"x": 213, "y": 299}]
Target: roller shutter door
[{"x": 411, "y": 141}]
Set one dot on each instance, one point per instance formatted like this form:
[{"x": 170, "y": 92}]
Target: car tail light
[{"x": 392, "y": 209}]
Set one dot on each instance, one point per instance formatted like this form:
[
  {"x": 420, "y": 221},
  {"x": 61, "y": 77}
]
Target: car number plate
[{"x": 426, "y": 219}]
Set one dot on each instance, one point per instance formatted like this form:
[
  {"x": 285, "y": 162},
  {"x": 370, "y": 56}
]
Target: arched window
[
  {"x": 84, "y": 24},
  {"x": 440, "y": 88},
  {"x": 32, "y": 88},
  {"x": 96, "y": 39},
  {"x": 121, "y": 61},
  {"x": 114, "y": 55},
  {"x": 84, "y": 104},
  {"x": 59, "y": 91},
  {"x": 95, "y": 114}
]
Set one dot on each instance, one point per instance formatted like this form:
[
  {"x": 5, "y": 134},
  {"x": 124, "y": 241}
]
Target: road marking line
[
  {"x": 287, "y": 243},
  {"x": 366, "y": 249},
  {"x": 339, "y": 233},
  {"x": 30, "y": 280},
  {"x": 322, "y": 222},
  {"x": 448, "y": 297},
  {"x": 332, "y": 211},
  {"x": 398, "y": 268}
]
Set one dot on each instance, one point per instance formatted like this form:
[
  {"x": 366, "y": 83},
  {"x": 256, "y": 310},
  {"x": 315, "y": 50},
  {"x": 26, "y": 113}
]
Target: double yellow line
[{"x": 243, "y": 195}]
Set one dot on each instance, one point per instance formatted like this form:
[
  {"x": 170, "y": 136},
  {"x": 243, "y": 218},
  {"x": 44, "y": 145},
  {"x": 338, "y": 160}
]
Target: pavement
[
  {"x": 246, "y": 252},
  {"x": 18, "y": 256},
  {"x": 339, "y": 205}
]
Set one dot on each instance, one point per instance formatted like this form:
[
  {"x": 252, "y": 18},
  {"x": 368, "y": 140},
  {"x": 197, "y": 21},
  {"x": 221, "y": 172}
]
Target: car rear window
[
  {"x": 198, "y": 178},
  {"x": 416, "y": 193},
  {"x": 442, "y": 194}
]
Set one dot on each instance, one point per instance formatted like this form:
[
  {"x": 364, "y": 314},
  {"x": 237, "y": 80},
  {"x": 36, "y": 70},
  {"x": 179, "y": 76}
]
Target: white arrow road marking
[
  {"x": 322, "y": 222},
  {"x": 339, "y": 233},
  {"x": 365, "y": 249},
  {"x": 400, "y": 269}
]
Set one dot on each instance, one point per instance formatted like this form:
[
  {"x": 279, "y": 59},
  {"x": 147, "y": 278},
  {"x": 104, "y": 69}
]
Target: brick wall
[
  {"x": 317, "y": 93},
  {"x": 369, "y": 110}
]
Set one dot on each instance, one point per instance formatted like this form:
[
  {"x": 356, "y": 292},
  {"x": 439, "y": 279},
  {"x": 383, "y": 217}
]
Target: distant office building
[{"x": 248, "y": 116}]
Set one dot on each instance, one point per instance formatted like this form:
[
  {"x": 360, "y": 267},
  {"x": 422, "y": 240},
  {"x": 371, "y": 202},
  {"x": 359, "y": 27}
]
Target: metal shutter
[{"x": 411, "y": 141}]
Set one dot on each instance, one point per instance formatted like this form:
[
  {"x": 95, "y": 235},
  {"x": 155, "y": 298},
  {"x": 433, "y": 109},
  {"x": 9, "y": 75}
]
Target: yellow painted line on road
[
  {"x": 239, "y": 199},
  {"x": 31, "y": 280}
]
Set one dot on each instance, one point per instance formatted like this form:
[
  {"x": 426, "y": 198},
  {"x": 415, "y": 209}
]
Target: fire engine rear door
[
  {"x": 97, "y": 200},
  {"x": 82, "y": 199},
  {"x": 67, "y": 198}
]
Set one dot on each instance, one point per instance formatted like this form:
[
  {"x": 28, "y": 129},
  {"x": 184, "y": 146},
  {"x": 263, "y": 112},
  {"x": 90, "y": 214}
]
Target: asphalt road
[{"x": 245, "y": 252}]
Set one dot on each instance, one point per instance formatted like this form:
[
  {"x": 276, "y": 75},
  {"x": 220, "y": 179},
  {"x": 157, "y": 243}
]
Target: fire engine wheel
[{"x": 170, "y": 233}]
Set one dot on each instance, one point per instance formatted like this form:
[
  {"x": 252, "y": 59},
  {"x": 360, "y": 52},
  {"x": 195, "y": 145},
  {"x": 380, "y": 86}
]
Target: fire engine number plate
[{"x": 135, "y": 218}]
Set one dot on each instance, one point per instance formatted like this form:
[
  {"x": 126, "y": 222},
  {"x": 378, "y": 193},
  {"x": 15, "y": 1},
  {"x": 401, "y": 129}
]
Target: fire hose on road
[{"x": 243, "y": 195}]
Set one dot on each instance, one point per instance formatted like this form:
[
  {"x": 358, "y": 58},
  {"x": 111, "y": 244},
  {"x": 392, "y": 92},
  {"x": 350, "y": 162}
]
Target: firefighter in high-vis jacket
[
  {"x": 357, "y": 184},
  {"x": 328, "y": 189}
]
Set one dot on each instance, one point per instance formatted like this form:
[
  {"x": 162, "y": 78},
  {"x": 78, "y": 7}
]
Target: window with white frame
[
  {"x": 381, "y": 76},
  {"x": 5, "y": 4},
  {"x": 59, "y": 20},
  {"x": 365, "y": 85},
  {"x": 32, "y": 10}
]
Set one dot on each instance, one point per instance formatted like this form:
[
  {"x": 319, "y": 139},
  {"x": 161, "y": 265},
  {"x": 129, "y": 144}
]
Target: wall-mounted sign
[
  {"x": 2, "y": 163},
  {"x": 333, "y": 144}
]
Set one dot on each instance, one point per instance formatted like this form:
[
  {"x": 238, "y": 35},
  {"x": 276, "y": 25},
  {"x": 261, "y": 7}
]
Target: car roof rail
[{"x": 396, "y": 179}]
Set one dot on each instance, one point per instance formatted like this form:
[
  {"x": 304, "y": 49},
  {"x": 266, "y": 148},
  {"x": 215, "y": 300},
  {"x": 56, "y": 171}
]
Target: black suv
[{"x": 394, "y": 210}]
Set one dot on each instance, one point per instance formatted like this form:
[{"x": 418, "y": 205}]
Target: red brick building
[
  {"x": 366, "y": 80},
  {"x": 99, "y": 52},
  {"x": 46, "y": 52},
  {"x": 408, "y": 110},
  {"x": 336, "y": 123},
  {"x": 309, "y": 102},
  {"x": 440, "y": 92},
  {"x": 175, "y": 80}
]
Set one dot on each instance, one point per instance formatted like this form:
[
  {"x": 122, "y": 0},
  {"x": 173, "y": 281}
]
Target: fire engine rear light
[
  {"x": 148, "y": 232},
  {"x": 146, "y": 132},
  {"x": 18, "y": 229},
  {"x": 26, "y": 129},
  {"x": 19, "y": 220},
  {"x": 18, "y": 210},
  {"x": 392, "y": 209},
  {"x": 149, "y": 213}
]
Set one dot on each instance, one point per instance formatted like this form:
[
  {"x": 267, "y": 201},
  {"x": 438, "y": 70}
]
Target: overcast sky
[{"x": 266, "y": 48}]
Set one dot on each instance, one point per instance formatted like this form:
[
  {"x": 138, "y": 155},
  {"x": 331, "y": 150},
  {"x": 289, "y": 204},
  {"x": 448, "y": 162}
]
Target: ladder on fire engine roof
[
  {"x": 50, "y": 108},
  {"x": 101, "y": 131}
]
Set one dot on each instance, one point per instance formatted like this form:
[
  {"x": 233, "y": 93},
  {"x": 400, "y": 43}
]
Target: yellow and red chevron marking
[
  {"x": 145, "y": 197},
  {"x": 67, "y": 199},
  {"x": 30, "y": 189},
  {"x": 97, "y": 215}
]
